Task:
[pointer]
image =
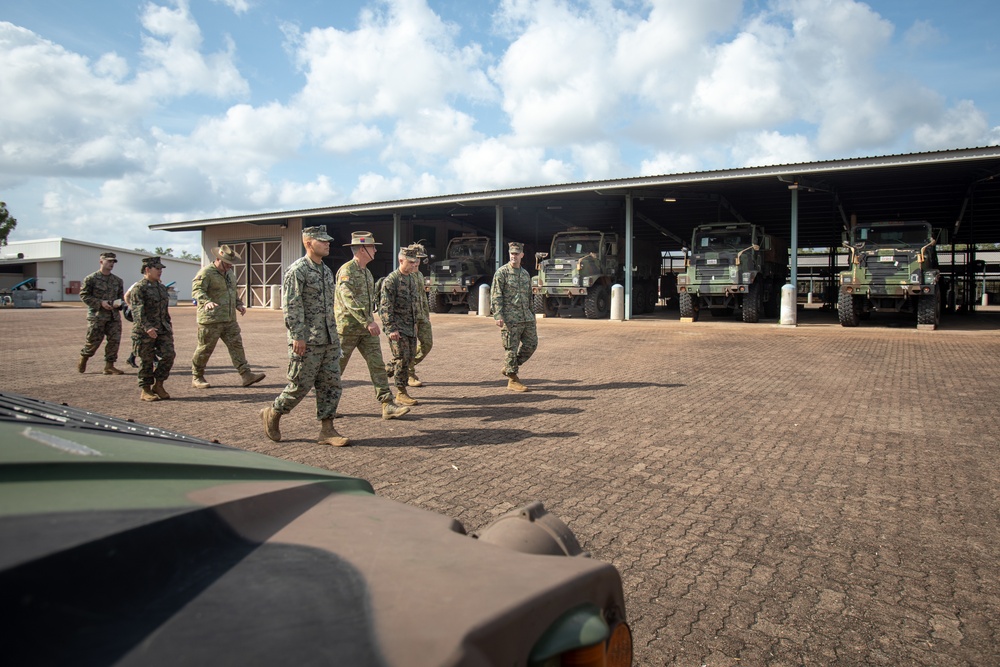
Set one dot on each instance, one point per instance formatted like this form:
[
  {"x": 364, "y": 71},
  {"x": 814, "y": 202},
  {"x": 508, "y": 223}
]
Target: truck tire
[
  {"x": 849, "y": 309},
  {"x": 542, "y": 306},
  {"x": 597, "y": 304},
  {"x": 439, "y": 304},
  {"x": 686, "y": 305},
  {"x": 473, "y": 299},
  {"x": 929, "y": 309},
  {"x": 638, "y": 299},
  {"x": 752, "y": 302},
  {"x": 651, "y": 299}
]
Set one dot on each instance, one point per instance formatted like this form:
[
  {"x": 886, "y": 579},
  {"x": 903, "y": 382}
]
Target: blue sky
[{"x": 122, "y": 113}]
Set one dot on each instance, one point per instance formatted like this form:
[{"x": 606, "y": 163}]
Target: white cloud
[
  {"x": 496, "y": 164},
  {"x": 770, "y": 148},
  {"x": 669, "y": 163},
  {"x": 962, "y": 125},
  {"x": 923, "y": 35}
]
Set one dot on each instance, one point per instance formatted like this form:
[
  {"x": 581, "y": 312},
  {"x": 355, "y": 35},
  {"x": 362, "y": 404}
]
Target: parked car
[{"x": 126, "y": 544}]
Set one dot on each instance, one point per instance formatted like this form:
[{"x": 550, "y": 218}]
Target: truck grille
[
  {"x": 704, "y": 272},
  {"x": 899, "y": 267}
]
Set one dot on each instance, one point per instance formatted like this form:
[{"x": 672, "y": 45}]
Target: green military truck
[
  {"x": 580, "y": 269},
  {"x": 733, "y": 266},
  {"x": 893, "y": 268},
  {"x": 455, "y": 280}
]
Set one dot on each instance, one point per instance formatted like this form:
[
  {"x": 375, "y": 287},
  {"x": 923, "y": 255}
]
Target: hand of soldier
[
  {"x": 242, "y": 309},
  {"x": 394, "y": 335},
  {"x": 211, "y": 305},
  {"x": 299, "y": 347},
  {"x": 105, "y": 305},
  {"x": 373, "y": 329},
  {"x": 500, "y": 322},
  {"x": 151, "y": 332}
]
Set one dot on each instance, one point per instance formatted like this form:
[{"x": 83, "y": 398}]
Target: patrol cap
[
  {"x": 515, "y": 246},
  {"x": 318, "y": 233},
  {"x": 152, "y": 263},
  {"x": 362, "y": 238},
  {"x": 109, "y": 255}
]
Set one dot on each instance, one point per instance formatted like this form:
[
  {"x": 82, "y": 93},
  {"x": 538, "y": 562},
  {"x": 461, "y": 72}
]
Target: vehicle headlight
[
  {"x": 682, "y": 279},
  {"x": 930, "y": 277},
  {"x": 586, "y": 281},
  {"x": 746, "y": 276},
  {"x": 846, "y": 280},
  {"x": 427, "y": 281},
  {"x": 467, "y": 281}
]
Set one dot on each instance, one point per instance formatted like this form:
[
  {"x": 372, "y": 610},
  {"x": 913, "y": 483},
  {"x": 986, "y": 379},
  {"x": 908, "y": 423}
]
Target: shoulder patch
[{"x": 344, "y": 278}]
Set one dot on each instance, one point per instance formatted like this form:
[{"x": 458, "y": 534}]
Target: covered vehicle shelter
[{"x": 810, "y": 204}]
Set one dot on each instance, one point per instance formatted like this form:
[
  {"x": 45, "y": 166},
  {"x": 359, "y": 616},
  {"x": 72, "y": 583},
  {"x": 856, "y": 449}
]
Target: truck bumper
[
  {"x": 559, "y": 291},
  {"x": 890, "y": 290}
]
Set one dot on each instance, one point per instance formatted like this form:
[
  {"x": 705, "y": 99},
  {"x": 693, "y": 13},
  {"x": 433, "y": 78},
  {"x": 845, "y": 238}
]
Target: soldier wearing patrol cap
[
  {"x": 399, "y": 308},
  {"x": 425, "y": 335},
  {"x": 102, "y": 291},
  {"x": 307, "y": 298},
  {"x": 356, "y": 326},
  {"x": 510, "y": 303},
  {"x": 152, "y": 331}
]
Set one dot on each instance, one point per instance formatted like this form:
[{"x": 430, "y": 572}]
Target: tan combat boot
[
  {"x": 159, "y": 390},
  {"x": 109, "y": 369},
  {"x": 271, "y": 417},
  {"x": 391, "y": 411},
  {"x": 414, "y": 381},
  {"x": 514, "y": 384},
  {"x": 249, "y": 378},
  {"x": 328, "y": 435},
  {"x": 147, "y": 395},
  {"x": 402, "y": 398},
  {"x": 199, "y": 382},
  {"x": 82, "y": 364}
]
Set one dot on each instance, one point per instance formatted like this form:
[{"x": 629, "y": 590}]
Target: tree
[
  {"x": 7, "y": 223},
  {"x": 186, "y": 255},
  {"x": 164, "y": 252}
]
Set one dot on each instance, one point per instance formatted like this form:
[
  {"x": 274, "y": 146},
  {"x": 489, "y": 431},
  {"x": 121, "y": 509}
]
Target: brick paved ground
[{"x": 771, "y": 496}]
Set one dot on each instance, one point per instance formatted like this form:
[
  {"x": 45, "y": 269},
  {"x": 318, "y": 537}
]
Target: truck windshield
[
  {"x": 893, "y": 236},
  {"x": 466, "y": 249},
  {"x": 722, "y": 239},
  {"x": 575, "y": 247}
]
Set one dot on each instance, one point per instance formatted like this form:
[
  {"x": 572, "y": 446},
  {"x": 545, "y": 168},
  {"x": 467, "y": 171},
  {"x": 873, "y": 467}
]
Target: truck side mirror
[
  {"x": 942, "y": 236},
  {"x": 843, "y": 239}
]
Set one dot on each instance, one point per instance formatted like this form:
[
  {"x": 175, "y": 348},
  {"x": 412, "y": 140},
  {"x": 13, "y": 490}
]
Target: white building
[{"x": 60, "y": 265}]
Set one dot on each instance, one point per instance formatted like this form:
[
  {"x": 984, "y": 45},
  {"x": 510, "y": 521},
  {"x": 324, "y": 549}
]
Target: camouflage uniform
[
  {"x": 510, "y": 300},
  {"x": 425, "y": 335},
  {"x": 149, "y": 301},
  {"x": 102, "y": 323},
  {"x": 307, "y": 297},
  {"x": 354, "y": 309},
  {"x": 219, "y": 323},
  {"x": 399, "y": 308}
]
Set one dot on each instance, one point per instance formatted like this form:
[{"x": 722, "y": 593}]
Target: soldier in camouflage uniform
[
  {"x": 102, "y": 291},
  {"x": 152, "y": 332},
  {"x": 214, "y": 289},
  {"x": 510, "y": 303},
  {"x": 425, "y": 335},
  {"x": 399, "y": 308},
  {"x": 307, "y": 297},
  {"x": 356, "y": 326}
]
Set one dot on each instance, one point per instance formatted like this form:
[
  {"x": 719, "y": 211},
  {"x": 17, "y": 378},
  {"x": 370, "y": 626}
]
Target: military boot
[
  {"x": 402, "y": 398},
  {"x": 249, "y": 378},
  {"x": 328, "y": 435},
  {"x": 159, "y": 390},
  {"x": 109, "y": 369},
  {"x": 82, "y": 364},
  {"x": 414, "y": 381},
  {"x": 391, "y": 411},
  {"x": 199, "y": 382},
  {"x": 147, "y": 395},
  {"x": 514, "y": 384},
  {"x": 271, "y": 417}
]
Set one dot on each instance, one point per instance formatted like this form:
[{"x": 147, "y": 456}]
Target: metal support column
[
  {"x": 397, "y": 238},
  {"x": 793, "y": 260},
  {"x": 499, "y": 242},
  {"x": 628, "y": 256}
]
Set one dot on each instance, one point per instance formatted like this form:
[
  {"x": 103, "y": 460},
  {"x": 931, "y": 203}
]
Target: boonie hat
[
  {"x": 318, "y": 233},
  {"x": 362, "y": 238},
  {"x": 152, "y": 263},
  {"x": 226, "y": 254}
]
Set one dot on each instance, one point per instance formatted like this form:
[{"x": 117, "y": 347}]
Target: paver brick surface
[{"x": 771, "y": 496}]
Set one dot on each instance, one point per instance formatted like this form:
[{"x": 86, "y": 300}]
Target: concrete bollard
[
  {"x": 618, "y": 302},
  {"x": 275, "y": 297},
  {"x": 789, "y": 306},
  {"x": 986, "y": 299},
  {"x": 484, "y": 300}
]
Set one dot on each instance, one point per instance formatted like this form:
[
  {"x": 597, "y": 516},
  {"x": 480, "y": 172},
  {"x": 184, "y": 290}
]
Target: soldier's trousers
[
  {"x": 402, "y": 356},
  {"x": 97, "y": 330},
  {"x": 425, "y": 341},
  {"x": 209, "y": 335},
  {"x": 148, "y": 349},
  {"x": 371, "y": 351},
  {"x": 319, "y": 367},
  {"x": 520, "y": 340}
]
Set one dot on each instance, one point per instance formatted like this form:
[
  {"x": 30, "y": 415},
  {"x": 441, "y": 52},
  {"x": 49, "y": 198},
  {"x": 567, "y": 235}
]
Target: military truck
[
  {"x": 893, "y": 268},
  {"x": 455, "y": 280},
  {"x": 580, "y": 268},
  {"x": 733, "y": 266}
]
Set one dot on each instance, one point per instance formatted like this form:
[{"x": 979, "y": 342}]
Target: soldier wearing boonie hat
[
  {"x": 307, "y": 299},
  {"x": 425, "y": 334},
  {"x": 102, "y": 291},
  {"x": 152, "y": 331},
  {"x": 214, "y": 290},
  {"x": 511, "y": 305}
]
